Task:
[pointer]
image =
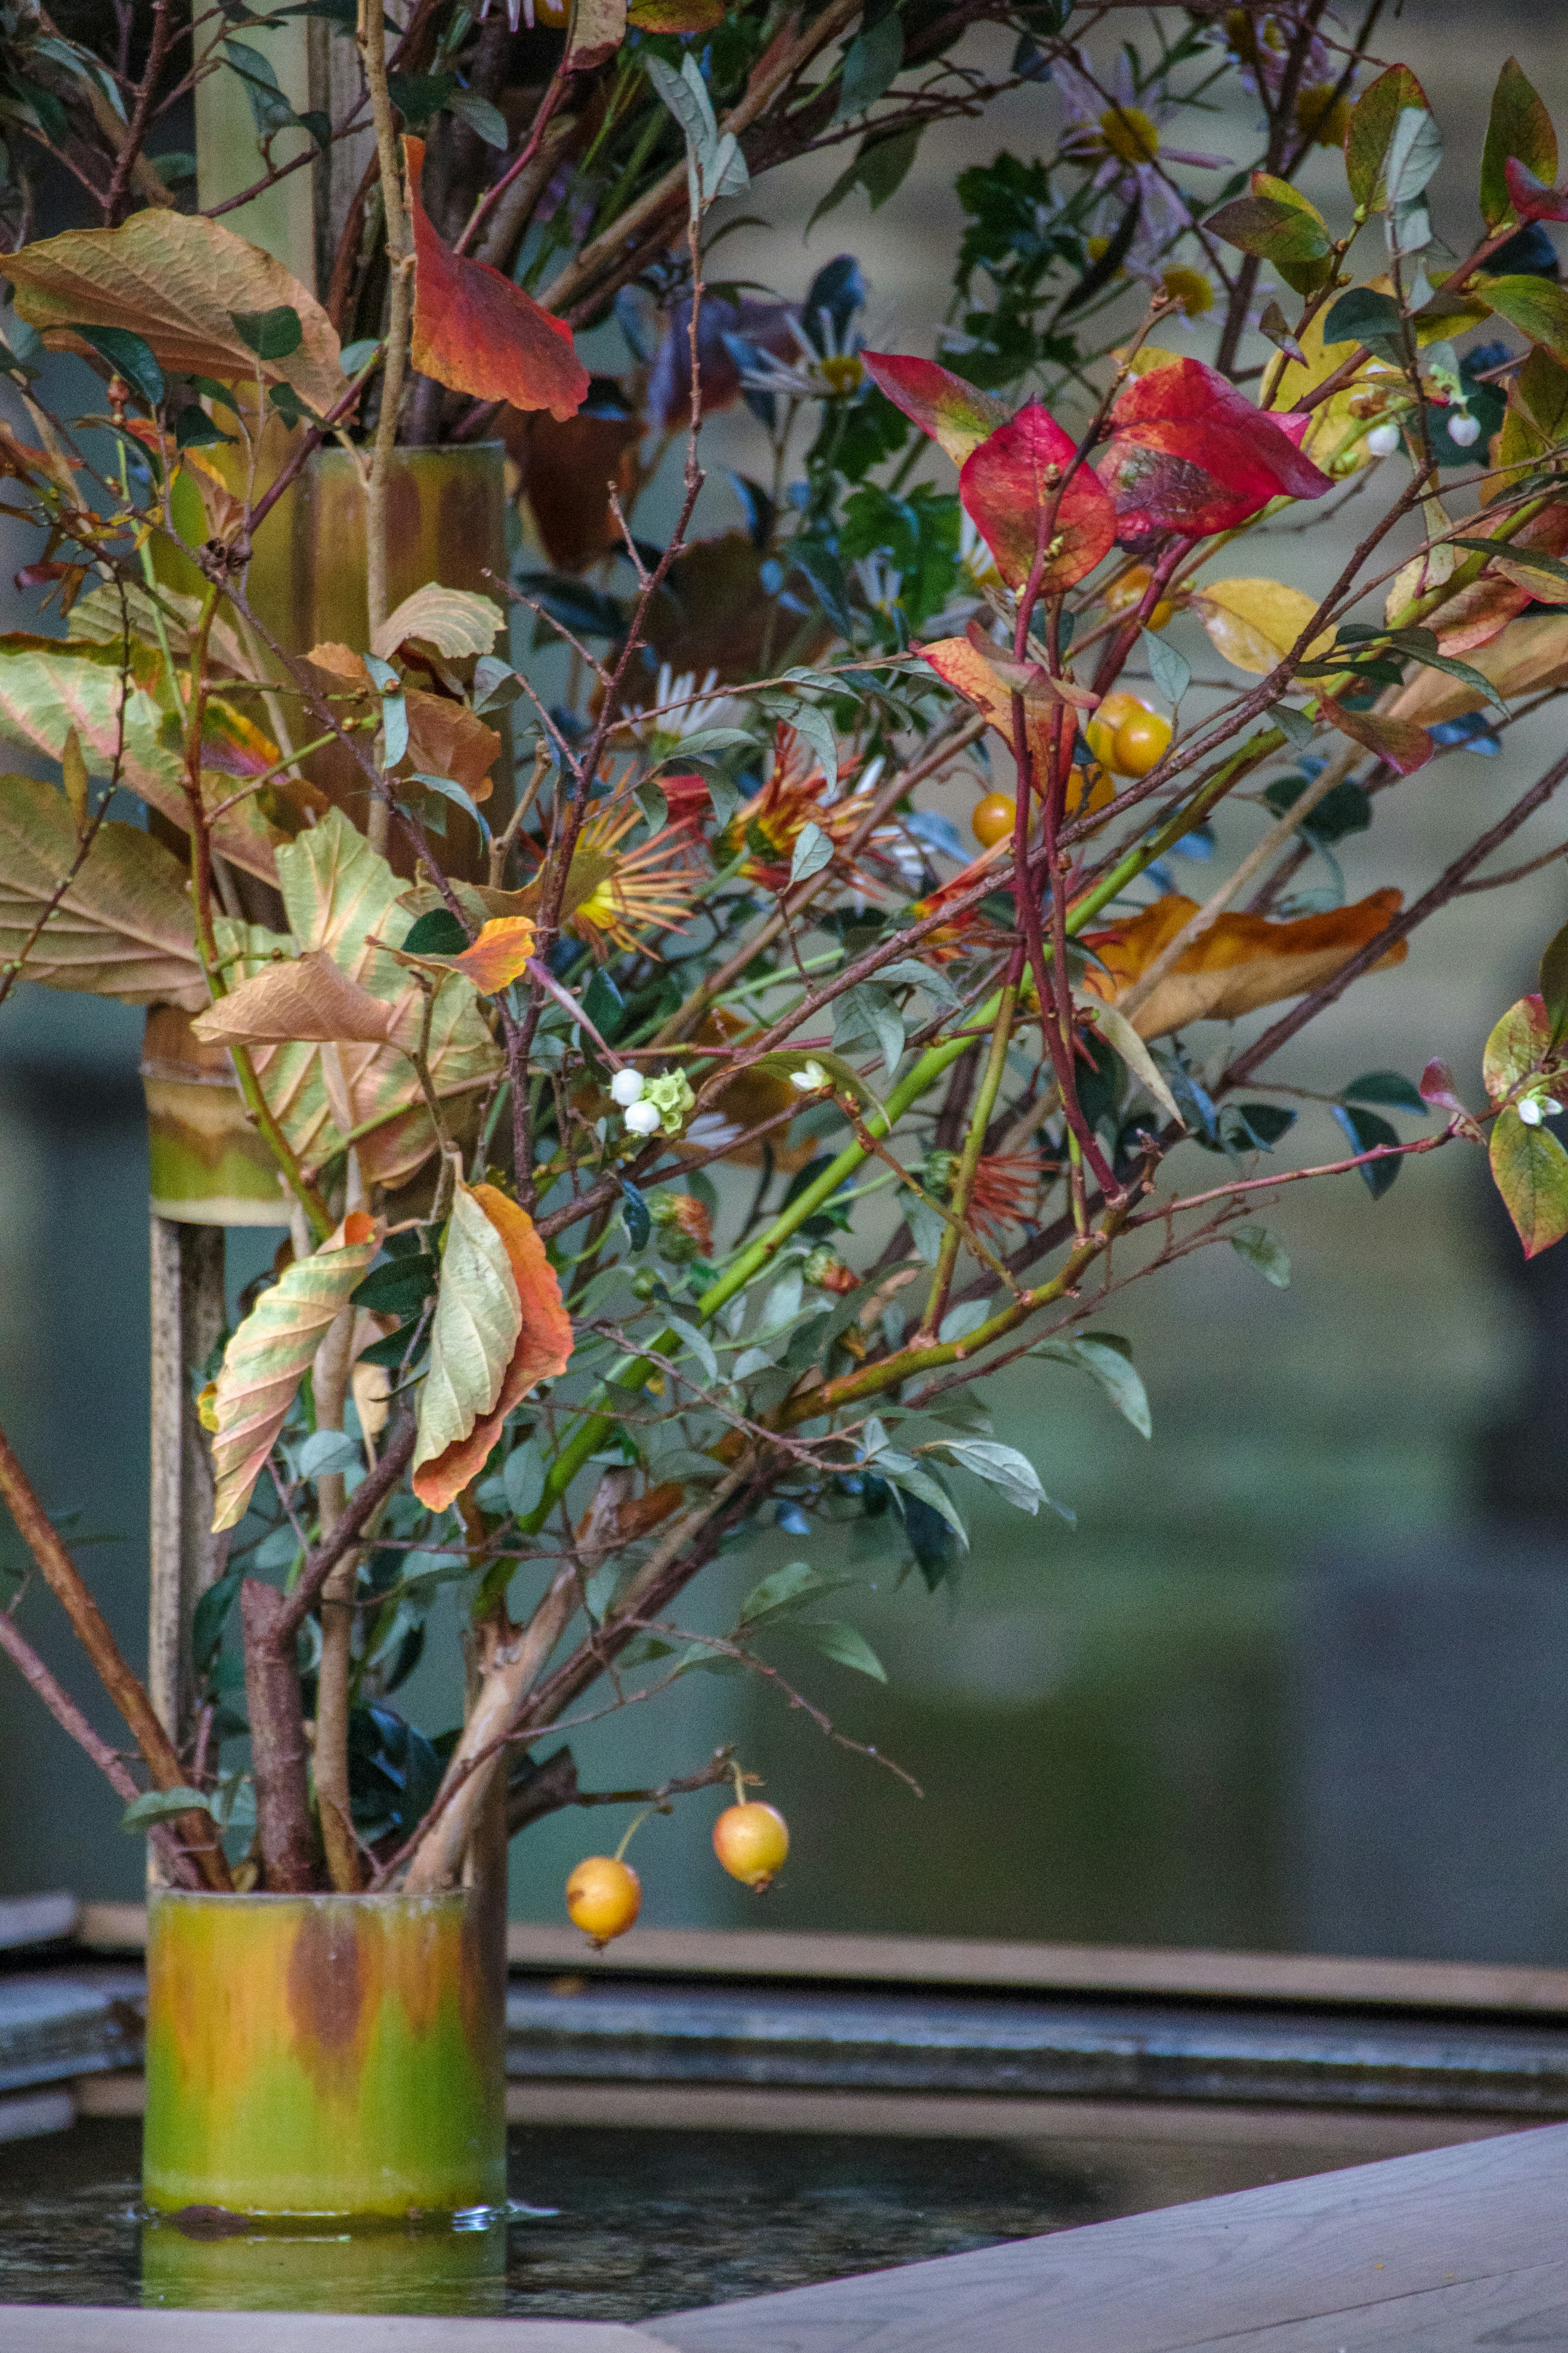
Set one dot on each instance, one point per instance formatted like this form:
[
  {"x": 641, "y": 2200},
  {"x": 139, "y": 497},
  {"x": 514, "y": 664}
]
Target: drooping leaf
[
  {"x": 1188, "y": 452},
  {"x": 1535, "y": 200},
  {"x": 445, "y": 739},
  {"x": 269, "y": 1355},
  {"x": 1123, "y": 1038},
  {"x": 500, "y": 1329},
  {"x": 1518, "y": 130},
  {"x": 49, "y": 688},
  {"x": 837, "y": 1639},
  {"x": 951, "y": 412},
  {"x": 176, "y": 280},
  {"x": 1009, "y": 487},
  {"x": 1240, "y": 962},
  {"x": 1366, "y": 1132},
  {"x": 456, "y": 622},
  {"x": 1264, "y": 1250},
  {"x": 598, "y": 28},
  {"x": 1107, "y": 1361},
  {"x": 1406, "y": 748},
  {"x": 124, "y": 928},
  {"x": 498, "y": 955},
  {"x": 305, "y": 998},
  {"x": 1389, "y": 1087},
  {"x": 1518, "y": 1044},
  {"x": 478, "y": 332},
  {"x": 1530, "y": 1168},
  {"x": 162, "y": 1806},
  {"x": 1255, "y": 623}
]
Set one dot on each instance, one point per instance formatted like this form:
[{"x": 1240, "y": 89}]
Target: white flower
[
  {"x": 680, "y": 708},
  {"x": 1464, "y": 429},
  {"x": 811, "y": 1080},
  {"x": 625, "y": 1088},
  {"x": 643, "y": 1119},
  {"x": 1382, "y": 440}
]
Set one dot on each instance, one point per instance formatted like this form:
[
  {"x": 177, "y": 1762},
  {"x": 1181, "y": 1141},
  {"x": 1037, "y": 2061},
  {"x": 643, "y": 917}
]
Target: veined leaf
[
  {"x": 951, "y": 412},
  {"x": 123, "y": 930},
  {"x": 1007, "y": 490},
  {"x": 1530, "y": 1171},
  {"x": 478, "y": 332},
  {"x": 1265, "y": 1251},
  {"x": 456, "y": 622},
  {"x": 1255, "y": 623},
  {"x": 1240, "y": 962},
  {"x": 843, "y": 1643},
  {"x": 1012, "y": 1474},
  {"x": 1519, "y": 129},
  {"x": 1554, "y": 986},
  {"x": 176, "y": 280},
  {"x": 307, "y": 998},
  {"x": 1528, "y": 655},
  {"x": 269, "y": 1355},
  {"x": 503, "y": 1281},
  {"x": 1373, "y": 124},
  {"x": 1518, "y": 1044},
  {"x": 1535, "y": 306},
  {"x": 1188, "y": 452},
  {"x": 1107, "y": 1360}
]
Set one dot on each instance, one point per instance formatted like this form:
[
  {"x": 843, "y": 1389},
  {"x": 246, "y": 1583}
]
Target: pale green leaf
[
  {"x": 1107, "y": 1361},
  {"x": 124, "y": 928},
  {"x": 478, "y": 1318},
  {"x": 1263, "y": 1251},
  {"x": 456, "y": 622},
  {"x": 843, "y": 1643},
  {"x": 162, "y": 1806}
]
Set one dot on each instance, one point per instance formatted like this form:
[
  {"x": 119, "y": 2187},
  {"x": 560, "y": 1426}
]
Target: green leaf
[
  {"x": 1120, "y": 1034},
  {"x": 1371, "y": 132},
  {"x": 1365, "y": 1132},
  {"x": 438, "y": 933},
  {"x": 1106, "y": 1359},
  {"x": 1554, "y": 988},
  {"x": 1385, "y": 1087},
  {"x": 871, "y": 63},
  {"x": 1012, "y": 1474},
  {"x": 478, "y": 1316},
  {"x": 909, "y": 972},
  {"x": 1292, "y": 237},
  {"x": 523, "y": 1478},
  {"x": 267, "y": 1359},
  {"x": 1519, "y": 127},
  {"x": 1421, "y": 645},
  {"x": 881, "y": 165},
  {"x": 843, "y": 1643},
  {"x": 1534, "y": 305},
  {"x": 789, "y": 1587},
  {"x": 211, "y": 1616},
  {"x": 1365, "y": 316},
  {"x": 813, "y": 851},
  {"x": 698, "y": 1344},
  {"x": 1170, "y": 672},
  {"x": 1518, "y": 1044},
  {"x": 128, "y": 355},
  {"x": 162, "y": 1806},
  {"x": 1531, "y": 1170},
  {"x": 1260, "y": 1248},
  {"x": 275, "y": 334}
]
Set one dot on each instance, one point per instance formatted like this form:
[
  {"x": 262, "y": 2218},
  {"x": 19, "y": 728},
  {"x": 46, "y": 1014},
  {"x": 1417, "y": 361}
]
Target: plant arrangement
[{"x": 677, "y": 1118}]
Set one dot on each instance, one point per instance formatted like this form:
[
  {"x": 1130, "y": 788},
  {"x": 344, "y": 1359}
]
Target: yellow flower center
[
  {"x": 1128, "y": 133},
  {"x": 1189, "y": 288},
  {"x": 841, "y": 373}
]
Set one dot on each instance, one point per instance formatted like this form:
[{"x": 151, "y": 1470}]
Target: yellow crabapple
[
  {"x": 751, "y": 1841},
  {"x": 603, "y": 1896}
]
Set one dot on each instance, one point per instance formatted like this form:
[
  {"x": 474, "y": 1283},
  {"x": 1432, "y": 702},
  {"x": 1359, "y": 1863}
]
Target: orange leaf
[
  {"x": 445, "y": 739},
  {"x": 542, "y": 1352},
  {"x": 1240, "y": 962},
  {"x": 478, "y": 332},
  {"x": 498, "y": 956}
]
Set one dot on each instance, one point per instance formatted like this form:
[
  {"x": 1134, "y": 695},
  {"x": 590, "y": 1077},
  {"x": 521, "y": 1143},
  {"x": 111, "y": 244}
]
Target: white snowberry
[
  {"x": 643, "y": 1119},
  {"x": 1382, "y": 440},
  {"x": 625, "y": 1088},
  {"x": 1464, "y": 429}
]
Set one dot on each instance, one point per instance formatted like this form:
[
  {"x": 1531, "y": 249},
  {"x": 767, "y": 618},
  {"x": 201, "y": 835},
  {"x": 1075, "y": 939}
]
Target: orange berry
[
  {"x": 1101, "y": 729},
  {"x": 1123, "y": 594},
  {"x": 991, "y": 820},
  {"x": 1142, "y": 742},
  {"x": 604, "y": 1897},
  {"x": 752, "y": 1843},
  {"x": 1088, "y": 789}
]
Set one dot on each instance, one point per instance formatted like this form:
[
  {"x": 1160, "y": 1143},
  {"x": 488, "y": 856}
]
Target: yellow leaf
[
  {"x": 1255, "y": 623},
  {"x": 1240, "y": 962},
  {"x": 123, "y": 927},
  {"x": 1529, "y": 654}
]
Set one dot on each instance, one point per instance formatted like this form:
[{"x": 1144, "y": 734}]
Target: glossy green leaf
[
  {"x": 843, "y": 1644},
  {"x": 1108, "y": 1360},
  {"x": 1554, "y": 988},
  {"x": 1388, "y": 1087},
  {"x": 1531, "y": 1170},
  {"x": 1521, "y": 128},
  {"x": 1365, "y": 1132},
  {"x": 1373, "y": 125},
  {"x": 162, "y": 1806}
]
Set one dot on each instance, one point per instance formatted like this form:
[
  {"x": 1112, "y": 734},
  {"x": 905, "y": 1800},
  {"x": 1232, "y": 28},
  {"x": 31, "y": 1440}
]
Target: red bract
[
  {"x": 940, "y": 403},
  {"x": 1189, "y": 453},
  {"x": 1010, "y": 487},
  {"x": 478, "y": 332}
]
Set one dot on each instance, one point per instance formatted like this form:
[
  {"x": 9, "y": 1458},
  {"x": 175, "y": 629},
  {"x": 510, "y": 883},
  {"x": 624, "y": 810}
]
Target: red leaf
[
  {"x": 1400, "y": 741},
  {"x": 1531, "y": 199},
  {"x": 1189, "y": 453},
  {"x": 1006, "y": 487},
  {"x": 478, "y": 332},
  {"x": 939, "y": 402}
]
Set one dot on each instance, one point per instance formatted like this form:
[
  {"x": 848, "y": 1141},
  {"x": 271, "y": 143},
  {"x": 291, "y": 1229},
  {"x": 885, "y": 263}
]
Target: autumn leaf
[
  {"x": 1519, "y": 131},
  {"x": 951, "y": 412},
  {"x": 1007, "y": 488},
  {"x": 498, "y": 955},
  {"x": 119, "y": 702},
  {"x": 1255, "y": 623},
  {"x": 269, "y": 1355},
  {"x": 445, "y": 739},
  {"x": 478, "y": 332},
  {"x": 455, "y": 621},
  {"x": 1240, "y": 962},
  {"x": 1405, "y": 747},
  {"x": 1478, "y": 613},
  {"x": 598, "y": 28},
  {"x": 541, "y": 1347},
  {"x": 1520, "y": 1043},
  {"x": 1189, "y": 453},
  {"x": 305, "y": 999},
  {"x": 1530, "y": 1168},
  {"x": 676, "y": 16},
  {"x": 1530, "y": 654},
  {"x": 176, "y": 280},
  {"x": 124, "y": 928}
]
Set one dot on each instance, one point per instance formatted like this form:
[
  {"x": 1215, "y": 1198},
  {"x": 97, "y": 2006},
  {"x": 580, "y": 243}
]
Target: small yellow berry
[
  {"x": 1142, "y": 742},
  {"x": 604, "y": 1897},
  {"x": 752, "y": 1843},
  {"x": 1101, "y": 729},
  {"x": 991, "y": 819}
]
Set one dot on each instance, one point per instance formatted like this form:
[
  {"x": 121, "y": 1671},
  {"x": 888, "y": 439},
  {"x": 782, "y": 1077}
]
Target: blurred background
[{"x": 1299, "y": 1678}]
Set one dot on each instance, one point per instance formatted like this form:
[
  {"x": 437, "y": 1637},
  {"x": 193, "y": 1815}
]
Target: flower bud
[
  {"x": 643, "y": 1119},
  {"x": 1464, "y": 429},
  {"x": 1382, "y": 440},
  {"x": 627, "y": 1088}
]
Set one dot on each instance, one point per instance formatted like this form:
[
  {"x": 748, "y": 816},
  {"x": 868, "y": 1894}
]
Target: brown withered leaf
[
  {"x": 1240, "y": 962},
  {"x": 1530, "y": 654},
  {"x": 124, "y": 928},
  {"x": 598, "y": 28},
  {"x": 445, "y": 739},
  {"x": 305, "y": 998},
  {"x": 565, "y": 469},
  {"x": 1406, "y": 748},
  {"x": 713, "y": 613},
  {"x": 175, "y": 279}
]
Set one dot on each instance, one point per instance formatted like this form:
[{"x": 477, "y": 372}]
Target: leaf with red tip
[
  {"x": 1531, "y": 199},
  {"x": 478, "y": 332},
  {"x": 1518, "y": 133},
  {"x": 1010, "y": 488},
  {"x": 1189, "y": 453},
  {"x": 939, "y": 402},
  {"x": 1400, "y": 741},
  {"x": 1436, "y": 1086}
]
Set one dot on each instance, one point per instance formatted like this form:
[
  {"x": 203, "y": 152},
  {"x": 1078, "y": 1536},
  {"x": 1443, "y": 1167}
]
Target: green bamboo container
[{"x": 312, "y": 2056}]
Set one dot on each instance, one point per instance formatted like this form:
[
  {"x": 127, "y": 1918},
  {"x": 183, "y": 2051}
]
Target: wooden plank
[
  {"x": 1304, "y": 2254},
  {"x": 76, "y": 2328},
  {"x": 37, "y": 1920},
  {"x": 1315, "y": 1978},
  {"x": 1522, "y": 2308}
]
